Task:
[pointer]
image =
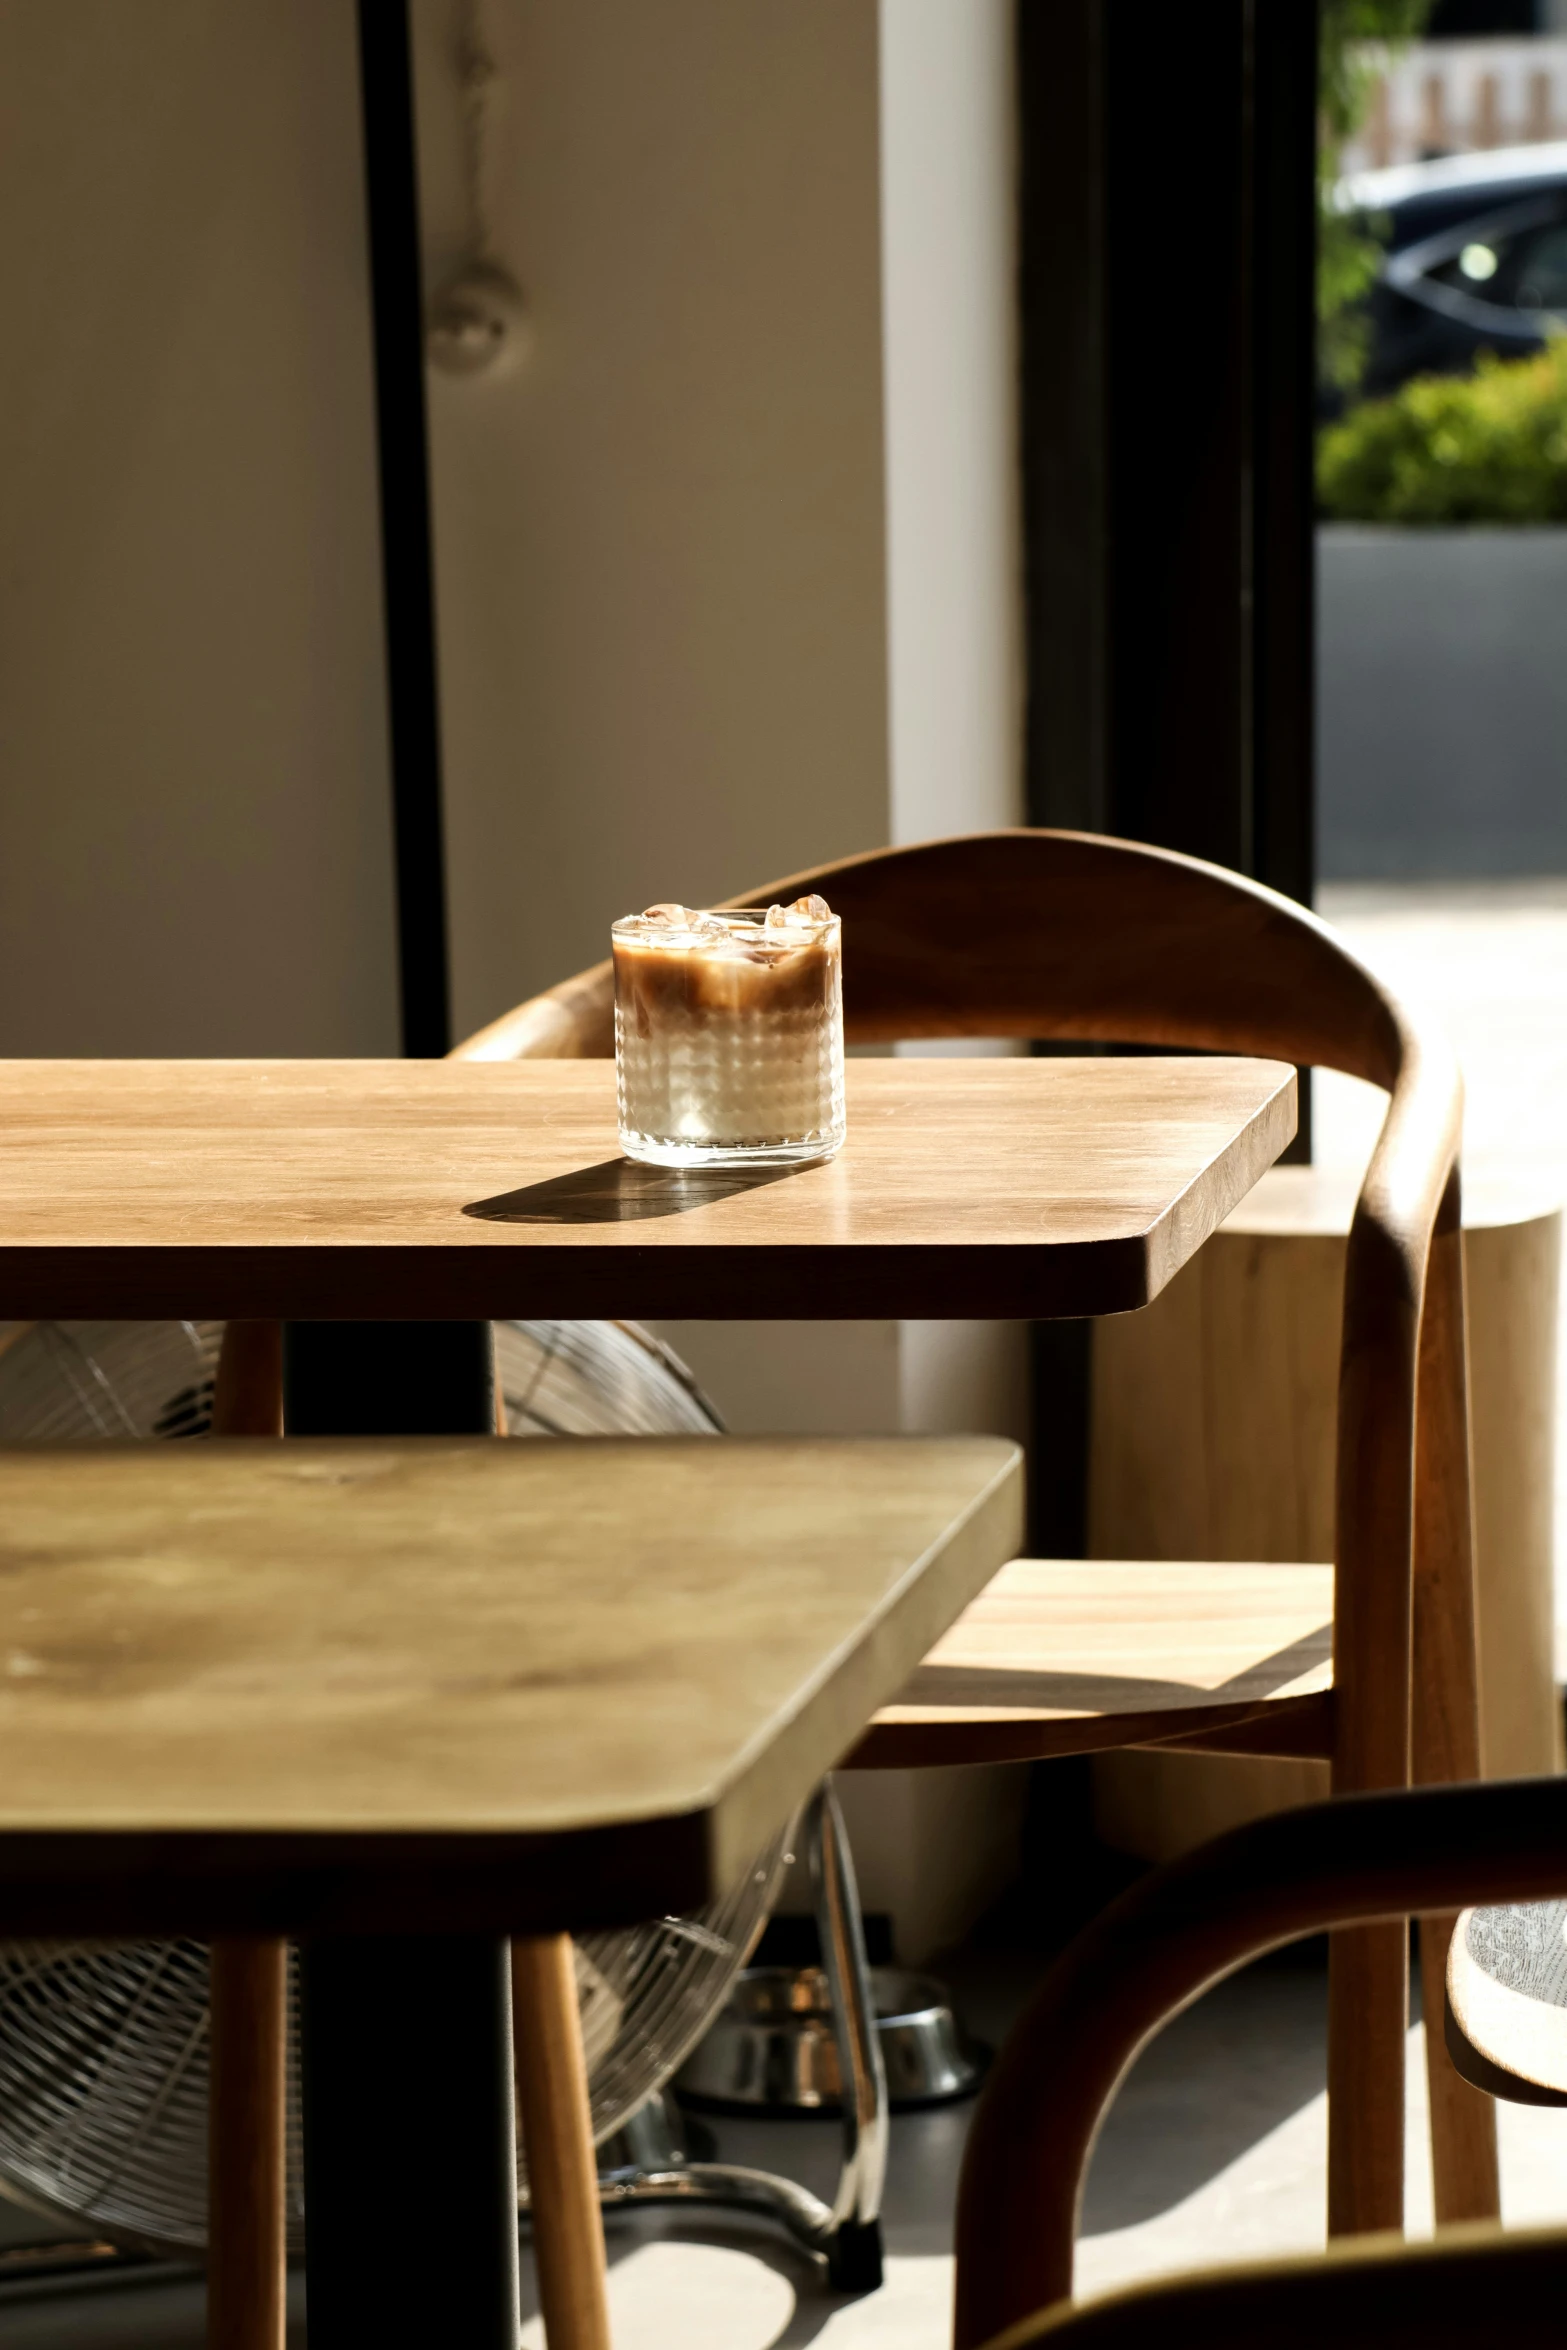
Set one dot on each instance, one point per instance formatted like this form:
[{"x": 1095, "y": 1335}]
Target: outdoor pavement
[{"x": 1490, "y": 960}]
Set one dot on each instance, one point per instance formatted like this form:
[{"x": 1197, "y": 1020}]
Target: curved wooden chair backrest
[
  {"x": 1042, "y": 934},
  {"x": 1147, "y": 1956}
]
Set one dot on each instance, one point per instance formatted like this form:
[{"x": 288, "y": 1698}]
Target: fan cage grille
[{"x": 103, "y": 2047}]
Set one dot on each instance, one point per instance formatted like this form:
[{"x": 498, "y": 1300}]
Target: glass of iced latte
[{"x": 729, "y": 1035}]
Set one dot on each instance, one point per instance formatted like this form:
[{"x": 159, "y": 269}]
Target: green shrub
[{"x": 1488, "y": 447}]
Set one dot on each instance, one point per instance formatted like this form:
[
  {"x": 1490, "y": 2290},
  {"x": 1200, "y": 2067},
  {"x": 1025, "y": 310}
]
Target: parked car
[{"x": 1476, "y": 259}]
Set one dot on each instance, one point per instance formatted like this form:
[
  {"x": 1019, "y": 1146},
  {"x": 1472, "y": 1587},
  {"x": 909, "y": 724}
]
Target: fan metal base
[
  {"x": 846, "y": 2234},
  {"x": 851, "y": 2249}
]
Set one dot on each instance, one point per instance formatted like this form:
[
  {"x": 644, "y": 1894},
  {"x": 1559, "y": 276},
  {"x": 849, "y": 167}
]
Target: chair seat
[
  {"x": 1073, "y": 1656},
  {"x": 1507, "y": 2001}
]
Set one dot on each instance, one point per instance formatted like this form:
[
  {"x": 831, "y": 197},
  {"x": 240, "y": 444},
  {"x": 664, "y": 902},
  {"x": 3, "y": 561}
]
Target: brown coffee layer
[{"x": 654, "y": 983}]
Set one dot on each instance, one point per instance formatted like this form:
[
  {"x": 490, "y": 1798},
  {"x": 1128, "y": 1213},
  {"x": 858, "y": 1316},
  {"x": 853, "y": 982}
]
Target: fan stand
[{"x": 847, "y": 2232}]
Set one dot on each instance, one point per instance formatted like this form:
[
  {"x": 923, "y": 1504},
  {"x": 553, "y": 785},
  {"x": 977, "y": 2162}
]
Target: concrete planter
[{"x": 1442, "y": 702}]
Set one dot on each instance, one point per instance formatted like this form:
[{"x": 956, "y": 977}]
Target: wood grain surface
[
  {"x": 1060, "y": 1656},
  {"x": 404, "y": 1189},
  {"x": 498, "y": 1687}
]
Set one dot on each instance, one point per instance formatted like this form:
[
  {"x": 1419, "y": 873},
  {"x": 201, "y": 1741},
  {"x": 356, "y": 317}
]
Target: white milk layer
[{"x": 733, "y": 1079}]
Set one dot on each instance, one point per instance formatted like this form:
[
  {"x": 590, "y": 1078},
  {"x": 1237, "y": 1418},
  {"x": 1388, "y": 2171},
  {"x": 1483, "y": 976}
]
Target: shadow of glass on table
[{"x": 621, "y": 1191}]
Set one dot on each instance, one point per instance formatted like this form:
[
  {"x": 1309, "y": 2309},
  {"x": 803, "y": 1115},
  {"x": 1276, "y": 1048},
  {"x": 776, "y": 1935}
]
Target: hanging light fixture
[{"x": 478, "y": 322}]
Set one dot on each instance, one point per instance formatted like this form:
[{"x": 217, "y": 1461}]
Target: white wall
[
  {"x": 954, "y": 661},
  {"x": 949, "y": 304},
  {"x": 661, "y": 568},
  {"x": 194, "y": 840},
  {"x": 728, "y": 568}
]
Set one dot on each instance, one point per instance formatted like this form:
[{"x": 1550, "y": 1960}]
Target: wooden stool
[{"x": 1212, "y": 1436}]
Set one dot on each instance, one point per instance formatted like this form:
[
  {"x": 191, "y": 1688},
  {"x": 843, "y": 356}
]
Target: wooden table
[
  {"x": 330, "y": 1189},
  {"x": 334, "y": 1195}
]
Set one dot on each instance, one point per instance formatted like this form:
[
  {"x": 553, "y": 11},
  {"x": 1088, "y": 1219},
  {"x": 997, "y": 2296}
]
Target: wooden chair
[
  {"x": 1139, "y": 1963},
  {"x": 1034, "y": 934}
]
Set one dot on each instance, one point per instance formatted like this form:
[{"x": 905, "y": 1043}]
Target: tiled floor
[
  {"x": 1214, "y": 2150},
  {"x": 1215, "y": 2147}
]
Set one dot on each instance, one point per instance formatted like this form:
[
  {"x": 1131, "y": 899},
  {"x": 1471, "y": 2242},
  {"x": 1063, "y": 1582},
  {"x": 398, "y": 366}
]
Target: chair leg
[
  {"x": 1368, "y": 2007},
  {"x": 247, "y": 2217},
  {"x": 552, "y": 2091},
  {"x": 248, "y": 1397},
  {"x": 1445, "y": 1713},
  {"x": 1465, "y": 2174},
  {"x": 247, "y": 2233},
  {"x": 552, "y": 2088}
]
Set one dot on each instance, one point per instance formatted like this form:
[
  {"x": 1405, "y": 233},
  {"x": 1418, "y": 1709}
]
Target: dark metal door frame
[
  {"x": 408, "y": 591},
  {"x": 1167, "y": 260}
]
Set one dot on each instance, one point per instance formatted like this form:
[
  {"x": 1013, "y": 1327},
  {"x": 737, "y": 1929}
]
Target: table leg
[
  {"x": 388, "y": 1379},
  {"x": 247, "y": 2220},
  {"x": 410, "y": 2129},
  {"x": 410, "y": 2144}
]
